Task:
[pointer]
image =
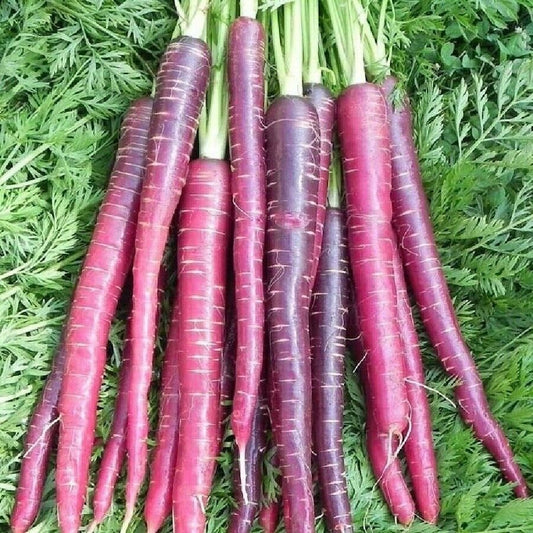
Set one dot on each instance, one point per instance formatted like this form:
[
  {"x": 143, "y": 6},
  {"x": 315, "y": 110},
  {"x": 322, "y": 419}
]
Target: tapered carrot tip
[
  {"x": 127, "y": 519},
  {"x": 430, "y": 518},
  {"x": 405, "y": 516},
  {"x": 92, "y": 526},
  {"x": 242, "y": 473}
]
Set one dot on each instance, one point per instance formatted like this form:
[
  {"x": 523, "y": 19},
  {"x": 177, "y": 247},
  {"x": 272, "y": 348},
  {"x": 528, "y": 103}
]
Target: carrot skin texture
[
  {"x": 227, "y": 379},
  {"x": 246, "y": 59},
  {"x": 94, "y": 303},
  {"x": 158, "y": 505},
  {"x": 329, "y": 314},
  {"x": 419, "y": 450},
  {"x": 38, "y": 444},
  {"x": 421, "y": 260},
  {"x": 293, "y": 152},
  {"x": 180, "y": 92},
  {"x": 324, "y": 103},
  {"x": 365, "y": 151},
  {"x": 203, "y": 241},
  {"x": 244, "y": 514}
]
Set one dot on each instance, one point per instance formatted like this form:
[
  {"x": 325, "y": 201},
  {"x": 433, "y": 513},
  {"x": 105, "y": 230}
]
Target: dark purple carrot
[
  {"x": 365, "y": 151},
  {"x": 246, "y": 58},
  {"x": 329, "y": 315},
  {"x": 203, "y": 241},
  {"x": 293, "y": 158},
  {"x": 180, "y": 92},
  {"x": 42, "y": 430},
  {"x": 424, "y": 269},
  {"x": 94, "y": 302},
  {"x": 418, "y": 448},
  {"x": 244, "y": 514}
]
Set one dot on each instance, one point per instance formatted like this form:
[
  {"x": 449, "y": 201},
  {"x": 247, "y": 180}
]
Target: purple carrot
[
  {"x": 180, "y": 92},
  {"x": 365, "y": 150},
  {"x": 38, "y": 443},
  {"x": 419, "y": 450},
  {"x": 246, "y": 58},
  {"x": 324, "y": 103},
  {"x": 329, "y": 314},
  {"x": 424, "y": 269},
  {"x": 94, "y": 302},
  {"x": 292, "y": 140}
]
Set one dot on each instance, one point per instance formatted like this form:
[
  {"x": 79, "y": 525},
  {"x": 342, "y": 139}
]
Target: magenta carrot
[
  {"x": 204, "y": 220},
  {"x": 365, "y": 151},
  {"x": 324, "y": 103},
  {"x": 246, "y": 58},
  {"x": 38, "y": 443},
  {"x": 329, "y": 313},
  {"x": 244, "y": 514},
  {"x": 424, "y": 269},
  {"x": 158, "y": 505},
  {"x": 115, "y": 447},
  {"x": 388, "y": 472},
  {"x": 382, "y": 450},
  {"x": 204, "y": 233},
  {"x": 94, "y": 302},
  {"x": 269, "y": 517},
  {"x": 180, "y": 91},
  {"x": 293, "y": 157},
  {"x": 419, "y": 450},
  {"x": 364, "y": 141}
]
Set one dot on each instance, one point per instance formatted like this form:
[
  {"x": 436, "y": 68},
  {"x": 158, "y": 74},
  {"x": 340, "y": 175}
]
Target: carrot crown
[
  {"x": 288, "y": 55},
  {"x": 312, "y": 71},
  {"x": 248, "y": 8}
]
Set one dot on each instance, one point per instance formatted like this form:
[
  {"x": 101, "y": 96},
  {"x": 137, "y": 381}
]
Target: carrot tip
[
  {"x": 127, "y": 519},
  {"x": 92, "y": 526},
  {"x": 242, "y": 473}
]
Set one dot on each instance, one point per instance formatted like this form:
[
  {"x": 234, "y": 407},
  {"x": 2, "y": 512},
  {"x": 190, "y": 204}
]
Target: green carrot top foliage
[{"x": 68, "y": 71}]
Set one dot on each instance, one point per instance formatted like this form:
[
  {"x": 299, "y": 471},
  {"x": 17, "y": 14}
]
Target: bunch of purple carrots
[{"x": 299, "y": 247}]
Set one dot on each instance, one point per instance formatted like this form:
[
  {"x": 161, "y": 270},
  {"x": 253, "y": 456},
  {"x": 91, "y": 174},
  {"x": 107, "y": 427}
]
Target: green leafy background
[{"x": 67, "y": 73}]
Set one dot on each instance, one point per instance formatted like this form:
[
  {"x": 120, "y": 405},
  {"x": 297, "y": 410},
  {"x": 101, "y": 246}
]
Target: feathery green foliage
[{"x": 68, "y": 71}]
